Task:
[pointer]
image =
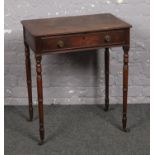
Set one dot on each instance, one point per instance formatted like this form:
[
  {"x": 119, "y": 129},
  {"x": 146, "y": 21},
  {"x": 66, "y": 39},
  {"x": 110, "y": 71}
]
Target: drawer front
[{"x": 87, "y": 40}]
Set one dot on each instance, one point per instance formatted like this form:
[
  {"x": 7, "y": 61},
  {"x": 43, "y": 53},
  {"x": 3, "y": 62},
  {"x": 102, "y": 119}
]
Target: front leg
[
  {"x": 125, "y": 86},
  {"x": 40, "y": 97}
]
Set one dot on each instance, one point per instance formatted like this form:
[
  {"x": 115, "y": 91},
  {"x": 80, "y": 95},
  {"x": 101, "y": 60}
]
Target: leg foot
[
  {"x": 41, "y": 142},
  {"x": 106, "y": 108},
  {"x": 124, "y": 122},
  {"x": 41, "y": 131},
  {"x": 30, "y": 115},
  {"x": 126, "y": 130}
]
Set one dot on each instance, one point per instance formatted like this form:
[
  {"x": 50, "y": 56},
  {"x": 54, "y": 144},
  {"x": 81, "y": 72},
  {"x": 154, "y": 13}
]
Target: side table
[{"x": 72, "y": 34}]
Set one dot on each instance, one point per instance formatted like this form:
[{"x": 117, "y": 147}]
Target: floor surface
[{"x": 78, "y": 130}]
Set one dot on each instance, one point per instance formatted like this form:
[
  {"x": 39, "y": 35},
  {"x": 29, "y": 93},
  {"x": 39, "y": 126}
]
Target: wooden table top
[{"x": 73, "y": 24}]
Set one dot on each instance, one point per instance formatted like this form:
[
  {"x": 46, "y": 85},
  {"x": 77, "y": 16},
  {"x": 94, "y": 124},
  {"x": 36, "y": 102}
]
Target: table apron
[{"x": 82, "y": 41}]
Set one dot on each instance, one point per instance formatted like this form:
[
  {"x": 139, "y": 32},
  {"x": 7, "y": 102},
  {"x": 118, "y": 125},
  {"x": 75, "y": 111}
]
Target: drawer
[{"x": 85, "y": 40}]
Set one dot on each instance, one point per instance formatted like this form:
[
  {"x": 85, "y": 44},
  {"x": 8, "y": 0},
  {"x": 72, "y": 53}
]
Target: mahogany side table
[{"x": 72, "y": 34}]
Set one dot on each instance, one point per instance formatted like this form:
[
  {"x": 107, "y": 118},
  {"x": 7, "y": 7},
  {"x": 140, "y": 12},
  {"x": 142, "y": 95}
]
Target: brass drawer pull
[
  {"x": 107, "y": 38},
  {"x": 60, "y": 44}
]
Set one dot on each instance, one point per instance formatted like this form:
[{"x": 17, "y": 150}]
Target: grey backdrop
[{"x": 77, "y": 78}]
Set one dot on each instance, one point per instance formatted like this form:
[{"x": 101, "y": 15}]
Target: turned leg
[
  {"x": 40, "y": 98},
  {"x": 106, "y": 79},
  {"x": 125, "y": 86},
  {"x": 29, "y": 81}
]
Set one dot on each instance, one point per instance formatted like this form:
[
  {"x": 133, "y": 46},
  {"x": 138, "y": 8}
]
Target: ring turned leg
[
  {"x": 125, "y": 86},
  {"x": 40, "y": 98},
  {"x": 106, "y": 79},
  {"x": 29, "y": 81}
]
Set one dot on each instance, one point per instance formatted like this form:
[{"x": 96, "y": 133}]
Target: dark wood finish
[
  {"x": 125, "y": 86},
  {"x": 106, "y": 79},
  {"x": 29, "y": 81},
  {"x": 40, "y": 97},
  {"x": 73, "y": 24},
  {"x": 72, "y": 34}
]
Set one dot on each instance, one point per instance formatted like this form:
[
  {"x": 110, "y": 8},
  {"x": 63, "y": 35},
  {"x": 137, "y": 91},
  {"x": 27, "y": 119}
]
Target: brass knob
[
  {"x": 60, "y": 44},
  {"x": 107, "y": 38}
]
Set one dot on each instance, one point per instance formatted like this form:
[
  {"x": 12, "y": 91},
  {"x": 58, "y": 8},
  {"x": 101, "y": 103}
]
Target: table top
[{"x": 73, "y": 24}]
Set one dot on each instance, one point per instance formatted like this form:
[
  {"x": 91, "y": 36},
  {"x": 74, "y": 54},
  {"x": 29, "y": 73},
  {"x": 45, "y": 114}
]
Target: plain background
[{"x": 77, "y": 78}]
